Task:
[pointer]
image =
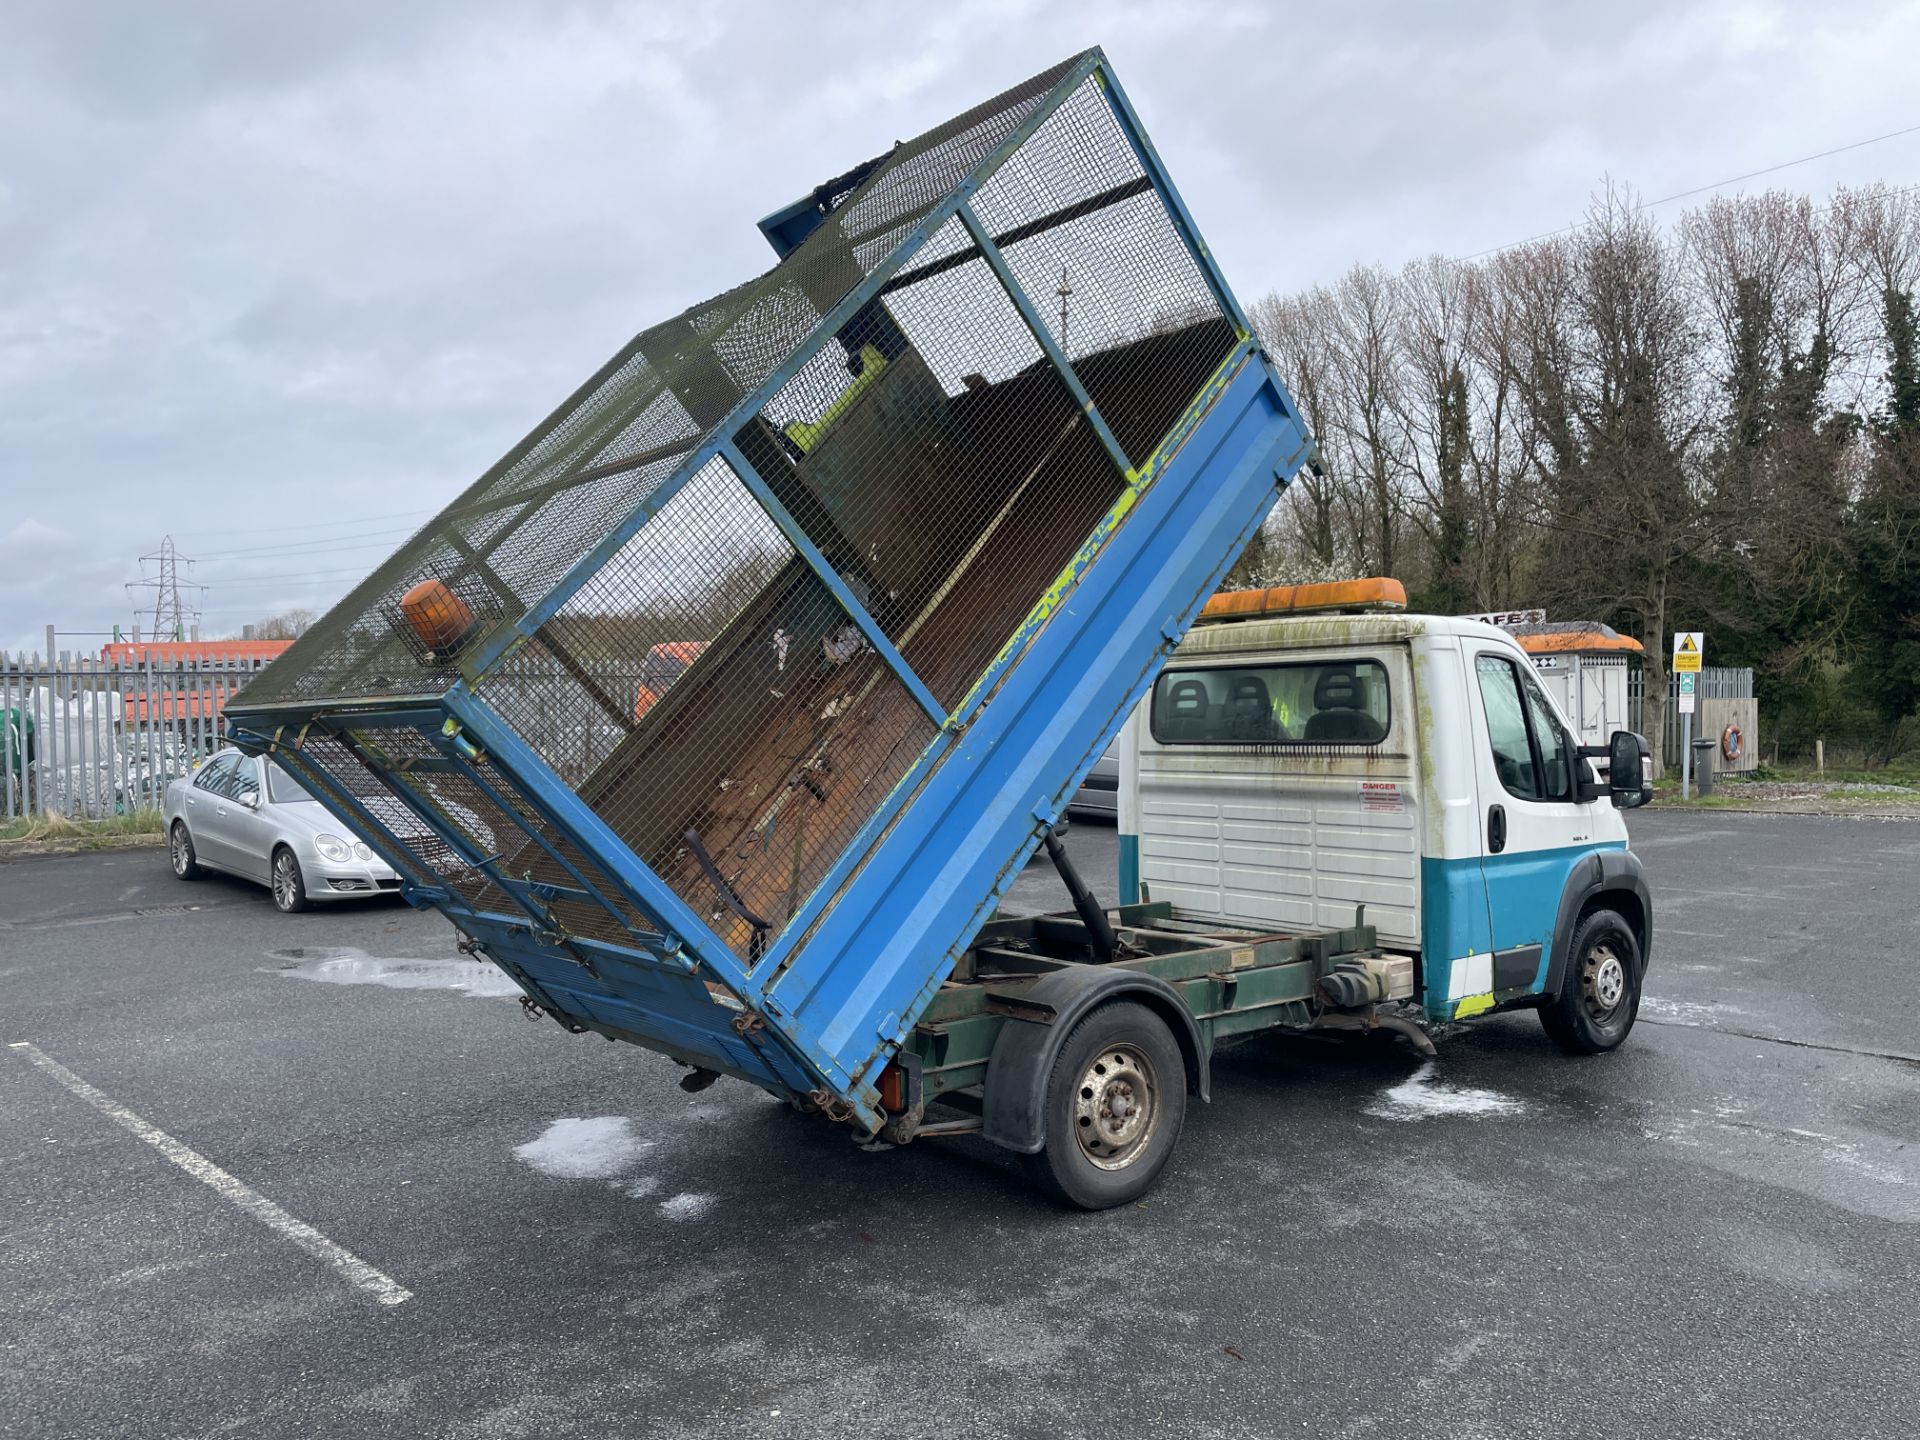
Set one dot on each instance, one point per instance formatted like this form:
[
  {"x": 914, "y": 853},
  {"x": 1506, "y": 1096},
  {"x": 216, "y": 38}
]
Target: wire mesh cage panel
[
  {"x": 667, "y": 676},
  {"x": 1092, "y": 244},
  {"x": 749, "y": 775},
  {"x": 647, "y": 408}
]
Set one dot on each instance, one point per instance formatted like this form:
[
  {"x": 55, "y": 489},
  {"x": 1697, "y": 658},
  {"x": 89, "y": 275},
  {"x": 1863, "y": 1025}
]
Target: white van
[{"x": 1312, "y": 750}]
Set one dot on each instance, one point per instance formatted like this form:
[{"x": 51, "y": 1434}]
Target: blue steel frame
[{"x": 830, "y": 1001}]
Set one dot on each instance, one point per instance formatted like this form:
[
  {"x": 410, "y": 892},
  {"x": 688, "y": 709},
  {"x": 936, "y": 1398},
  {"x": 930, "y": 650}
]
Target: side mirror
[{"x": 1628, "y": 770}]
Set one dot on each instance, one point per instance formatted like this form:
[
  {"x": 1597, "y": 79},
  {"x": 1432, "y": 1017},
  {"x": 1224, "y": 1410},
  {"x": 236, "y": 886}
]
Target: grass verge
[{"x": 55, "y": 834}]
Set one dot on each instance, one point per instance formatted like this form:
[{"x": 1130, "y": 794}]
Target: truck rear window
[{"x": 1319, "y": 702}]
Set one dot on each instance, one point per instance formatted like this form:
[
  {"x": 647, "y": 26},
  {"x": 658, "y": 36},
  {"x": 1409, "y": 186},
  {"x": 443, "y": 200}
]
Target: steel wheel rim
[
  {"x": 1116, "y": 1107},
  {"x": 283, "y": 881},
  {"x": 1603, "y": 981},
  {"x": 179, "y": 846}
]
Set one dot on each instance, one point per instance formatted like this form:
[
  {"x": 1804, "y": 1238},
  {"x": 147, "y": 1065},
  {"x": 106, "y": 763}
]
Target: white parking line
[{"x": 356, "y": 1271}]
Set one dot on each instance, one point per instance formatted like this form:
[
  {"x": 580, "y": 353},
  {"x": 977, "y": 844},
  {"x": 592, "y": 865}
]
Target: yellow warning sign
[{"x": 1688, "y": 647}]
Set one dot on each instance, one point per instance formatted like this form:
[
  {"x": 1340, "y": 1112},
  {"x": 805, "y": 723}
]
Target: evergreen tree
[
  {"x": 1886, "y": 534},
  {"x": 1450, "y": 588}
]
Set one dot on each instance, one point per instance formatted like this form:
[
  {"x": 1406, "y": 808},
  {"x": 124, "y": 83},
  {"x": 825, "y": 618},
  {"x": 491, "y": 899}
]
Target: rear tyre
[
  {"x": 1116, "y": 1099},
  {"x": 289, "y": 885},
  {"x": 186, "y": 865},
  {"x": 1599, "y": 995}
]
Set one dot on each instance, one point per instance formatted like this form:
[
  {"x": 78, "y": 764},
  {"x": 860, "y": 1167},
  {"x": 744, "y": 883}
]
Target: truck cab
[{"x": 1311, "y": 753}]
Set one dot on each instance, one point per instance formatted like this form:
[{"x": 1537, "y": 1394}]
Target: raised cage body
[{"x": 722, "y": 710}]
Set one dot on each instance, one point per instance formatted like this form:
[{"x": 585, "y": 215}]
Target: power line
[
  {"x": 1783, "y": 165},
  {"x": 338, "y": 542},
  {"x": 1702, "y": 189},
  {"x": 320, "y": 524},
  {"x": 281, "y": 581}
]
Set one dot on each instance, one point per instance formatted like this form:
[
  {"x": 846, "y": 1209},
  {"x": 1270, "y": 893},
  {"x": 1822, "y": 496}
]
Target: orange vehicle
[{"x": 664, "y": 665}]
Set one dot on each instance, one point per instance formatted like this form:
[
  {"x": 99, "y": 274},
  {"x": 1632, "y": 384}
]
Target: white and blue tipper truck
[
  {"x": 1309, "y": 750},
  {"x": 722, "y": 710}
]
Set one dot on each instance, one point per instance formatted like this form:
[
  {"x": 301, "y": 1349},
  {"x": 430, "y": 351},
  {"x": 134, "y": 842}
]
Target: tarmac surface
[{"x": 1714, "y": 1231}]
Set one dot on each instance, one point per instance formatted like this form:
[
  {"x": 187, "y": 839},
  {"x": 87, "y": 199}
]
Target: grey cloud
[{"x": 303, "y": 265}]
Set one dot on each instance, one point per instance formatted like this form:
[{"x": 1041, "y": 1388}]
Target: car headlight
[
  {"x": 363, "y": 850},
  {"x": 332, "y": 847}
]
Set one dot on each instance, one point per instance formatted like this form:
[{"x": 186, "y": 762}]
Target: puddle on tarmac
[
  {"x": 345, "y": 965},
  {"x": 1842, "y": 1163},
  {"x": 1684, "y": 1012},
  {"x": 1421, "y": 1096}
]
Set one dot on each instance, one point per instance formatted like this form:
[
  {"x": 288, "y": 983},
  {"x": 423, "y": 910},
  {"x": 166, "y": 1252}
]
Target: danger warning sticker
[{"x": 1382, "y": 796}]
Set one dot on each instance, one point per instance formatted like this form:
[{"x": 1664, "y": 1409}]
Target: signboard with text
[{"x": 1688, "y": 648}]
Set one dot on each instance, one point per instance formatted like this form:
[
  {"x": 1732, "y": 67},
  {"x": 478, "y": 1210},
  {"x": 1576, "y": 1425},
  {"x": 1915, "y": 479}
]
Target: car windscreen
[
  {"x": 282, "y": 788},
  {"x": 1321, "y": 702}
]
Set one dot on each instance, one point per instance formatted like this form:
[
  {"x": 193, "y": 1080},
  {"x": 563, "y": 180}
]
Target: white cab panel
[{"x": 1292, "y": 835}]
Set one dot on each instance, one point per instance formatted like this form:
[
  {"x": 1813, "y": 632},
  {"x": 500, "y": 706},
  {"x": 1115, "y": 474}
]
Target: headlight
[
  {"x": 363, "y": 850},
  {"x": 332, "y": 847}
]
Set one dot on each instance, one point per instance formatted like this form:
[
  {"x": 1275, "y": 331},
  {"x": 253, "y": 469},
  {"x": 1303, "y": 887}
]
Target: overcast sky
[{"x": 280, "y": 280}]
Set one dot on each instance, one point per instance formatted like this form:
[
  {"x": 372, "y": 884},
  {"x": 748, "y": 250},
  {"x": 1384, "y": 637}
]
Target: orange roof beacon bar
[{"x": 1374, "y": 594}]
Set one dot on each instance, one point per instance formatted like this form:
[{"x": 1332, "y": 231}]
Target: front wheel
[
  {"x": 186, "y": 865},
  {"x": 1115, "y": 1102},
  {"x": 289, "y": 885},
  {"x": 1600, "y": 992}
]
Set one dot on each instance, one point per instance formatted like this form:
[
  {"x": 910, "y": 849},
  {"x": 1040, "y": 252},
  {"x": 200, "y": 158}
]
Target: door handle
[{"x": 1496, "y": 829}]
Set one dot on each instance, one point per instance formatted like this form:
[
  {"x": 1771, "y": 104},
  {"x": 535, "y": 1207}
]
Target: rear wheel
[
  {"x": 186, "y": 865},
  {"x": 1599, "y": 995},
  {"x": 289, "y": 885},
  {"x": 1115, "y": 1102}
]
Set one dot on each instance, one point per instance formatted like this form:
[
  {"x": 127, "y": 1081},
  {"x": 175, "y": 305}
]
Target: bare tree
[
  {"x": 1654, "y": 428},
  {"x": 287, "y": 625},
  {"x": 1367, "y": 440},
  {"x": 1437, "y": 317},
  {"x": 1295, "y": 332},
  {"x": 1628, "y": 511}
]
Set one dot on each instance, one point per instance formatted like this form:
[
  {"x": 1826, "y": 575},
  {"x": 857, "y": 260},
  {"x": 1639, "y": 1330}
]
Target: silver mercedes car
[
  {"x": 248, "y": 817},
  {"x": 1098, "y": 797}
]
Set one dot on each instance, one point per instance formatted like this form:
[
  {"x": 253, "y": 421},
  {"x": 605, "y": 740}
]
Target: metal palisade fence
[
  {"x": 1716, "y": 688},
  {"x": 90, "y": 738}
]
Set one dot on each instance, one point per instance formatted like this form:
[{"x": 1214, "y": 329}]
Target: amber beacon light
[{"x": 439, "y": 619}]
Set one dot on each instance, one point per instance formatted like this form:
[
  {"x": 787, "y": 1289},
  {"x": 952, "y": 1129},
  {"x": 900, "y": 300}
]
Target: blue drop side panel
[{"x": 858, "y": 982}]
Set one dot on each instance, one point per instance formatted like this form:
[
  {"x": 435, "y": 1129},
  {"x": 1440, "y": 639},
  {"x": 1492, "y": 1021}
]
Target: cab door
[{"x": 1533, "y": 826}]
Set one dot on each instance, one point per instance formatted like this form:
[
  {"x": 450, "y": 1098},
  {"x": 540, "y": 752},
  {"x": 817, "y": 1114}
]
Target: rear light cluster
[{"x": 893, "y": 1089}]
